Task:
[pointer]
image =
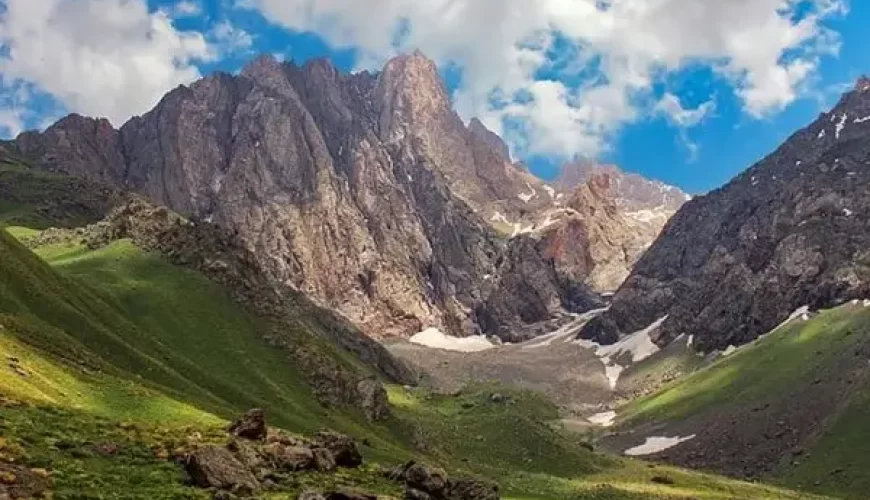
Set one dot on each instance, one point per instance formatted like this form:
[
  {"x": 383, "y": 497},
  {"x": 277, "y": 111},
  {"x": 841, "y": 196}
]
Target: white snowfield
[
  {"x": 433, "y": 337},
  {"x": 565, "y": 333},
  {"x": 639, "y": 345},
  {"x": 604, "y": 419},
  {"x": 656, "y": 444}
]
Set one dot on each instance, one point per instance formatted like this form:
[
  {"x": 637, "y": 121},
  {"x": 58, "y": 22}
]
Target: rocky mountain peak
[
  {"x": 863, "y": 84},
  {"x": 264, "y": 68}
]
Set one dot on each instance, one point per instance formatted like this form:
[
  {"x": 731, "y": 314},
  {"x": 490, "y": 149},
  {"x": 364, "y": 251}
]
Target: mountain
[
  {"x": 366, "y": 192},
  {"x": 791, "y": 231},
  {"x": 633, "y": 192}
]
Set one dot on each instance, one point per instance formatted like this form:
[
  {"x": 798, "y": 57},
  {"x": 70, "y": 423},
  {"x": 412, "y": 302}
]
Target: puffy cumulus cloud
[
  {"x": 670, "y": 106},
  {"x": 231, "y": 39},
  {"x": 560, "y": 77},
  {"x": 111, "y": 58}
]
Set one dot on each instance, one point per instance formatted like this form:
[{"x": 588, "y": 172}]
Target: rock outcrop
[
  {"x": 365, "y": 192},
  {"x": 246, "y": 467},
  {"x": 792, "y": 231}
]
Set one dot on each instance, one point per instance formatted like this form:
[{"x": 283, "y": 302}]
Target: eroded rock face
[
  {"x": 790, "y": 231},
  {"x": 365, "y": 192}
]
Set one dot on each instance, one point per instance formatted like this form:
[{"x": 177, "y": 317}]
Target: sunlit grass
[{"x": 768, "y": 366}]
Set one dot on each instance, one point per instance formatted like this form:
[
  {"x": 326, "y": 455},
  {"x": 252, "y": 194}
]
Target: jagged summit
[
  {"x": 367, "y": 192},
  {"x": 863, "y": 84}
]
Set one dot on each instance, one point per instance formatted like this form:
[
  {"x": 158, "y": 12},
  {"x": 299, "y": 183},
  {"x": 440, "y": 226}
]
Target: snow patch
[
  {"x": 639, "y": 345},
  {"x": 566, "y": 332},
  {"x": 604, "y": 419},
  {"x": 729, "y": 351},
  {"x": 499, "y": 217},
  {"x": 866, "y": 303},
  {"x": 862, "y": 119},
  {"x": 656, "y": 444},
  {"x": 648, "y": 215},
  {"x": 821, "y": 134},
  {"x": 550, "y": 191},
  {"x": 433, "y": 337},
  {"x": 802, "y": 312},
  {"x": 847, "y": 212},
  {"x": 526, "y": 197},
  {"x": 841, "y": 125}
]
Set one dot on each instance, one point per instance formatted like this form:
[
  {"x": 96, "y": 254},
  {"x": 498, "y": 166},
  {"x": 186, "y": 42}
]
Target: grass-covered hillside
[
  {"x": 117, "y": 346},
  {"x": 114, "y": 348},
  {"x": 793, "y": 406}
]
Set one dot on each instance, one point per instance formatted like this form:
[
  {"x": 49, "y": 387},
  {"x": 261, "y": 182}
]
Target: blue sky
[{"x": 691, "y": 105}]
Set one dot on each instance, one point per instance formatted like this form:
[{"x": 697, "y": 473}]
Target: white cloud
[
  {"x": 110, "y": 58},
  {"x": 670, "y": 106},
  {"x": 230, "y": 39},
  {"x": 765, "y": 48},
  {"x": 186, "y": 8}
]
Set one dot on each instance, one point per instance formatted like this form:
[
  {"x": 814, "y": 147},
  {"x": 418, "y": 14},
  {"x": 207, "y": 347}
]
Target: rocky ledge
[{"x": 259, "y": 459}]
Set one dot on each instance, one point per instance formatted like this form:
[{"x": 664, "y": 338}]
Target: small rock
[
  {"x": 343, "y": 448},
  {"x": 412, "y": 494},
  {"x": 662, "y": 480},
  {"x": 251, "y": 425},
  {"x": 106, "y": 449},
  {"x": 472, "y": 489}
]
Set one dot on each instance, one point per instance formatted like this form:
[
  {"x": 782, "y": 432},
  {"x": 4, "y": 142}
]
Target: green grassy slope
[
  {"x": 776, "y": 363},
  {"x": 132, "y": 316},
  {"x": 828, "y": 350},
  {"x": 118, "y": 346},
  {"x": 512, "y": 442}
]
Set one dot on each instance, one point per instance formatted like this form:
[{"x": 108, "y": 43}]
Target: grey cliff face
[
  {"x": 366, "y": 192},
  {"x": 790, "y": 231}
]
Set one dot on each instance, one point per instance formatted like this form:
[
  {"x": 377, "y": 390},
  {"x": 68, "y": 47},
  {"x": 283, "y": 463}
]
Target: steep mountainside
[
  {"x": 366, "y": 192},
  {"x": 790, "y": 231},
  {"x": 633, "y": 192}
]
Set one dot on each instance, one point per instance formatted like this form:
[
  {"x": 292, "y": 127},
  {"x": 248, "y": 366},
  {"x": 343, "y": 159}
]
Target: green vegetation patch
[{"x": 775, "y": 364}]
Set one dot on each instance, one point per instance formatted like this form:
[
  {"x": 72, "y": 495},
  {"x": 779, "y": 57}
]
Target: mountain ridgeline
[
  {"x": 789, "y": 232},
  {"x": 364, "y": 191}
]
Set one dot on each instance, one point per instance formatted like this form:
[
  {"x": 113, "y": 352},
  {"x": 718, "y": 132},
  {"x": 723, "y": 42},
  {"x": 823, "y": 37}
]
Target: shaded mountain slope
[
  {"x": 791, "y": 405},
  {"x": 790, "y": 231}
]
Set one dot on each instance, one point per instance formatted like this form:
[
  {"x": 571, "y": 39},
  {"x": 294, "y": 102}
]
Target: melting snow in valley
[
  {"x": 433, "y": 337},
  {"x": 639, "y": 345},
  {"x": 566, "y": 333},
  {"x": 604, "y": 419},
  {"x": 656, "y": 444}
]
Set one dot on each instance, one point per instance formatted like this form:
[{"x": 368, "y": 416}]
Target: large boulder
[
  {"x": 343, "y": 448},
  {"x": 290, "y": 458},
  {"x": 431, "y": 483},
  {"x": 251, "y": 425},
  {"x": 215, "y": 467},
  {"x": 472, "y": 489},
  {"x": 372, "y": 399}
]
